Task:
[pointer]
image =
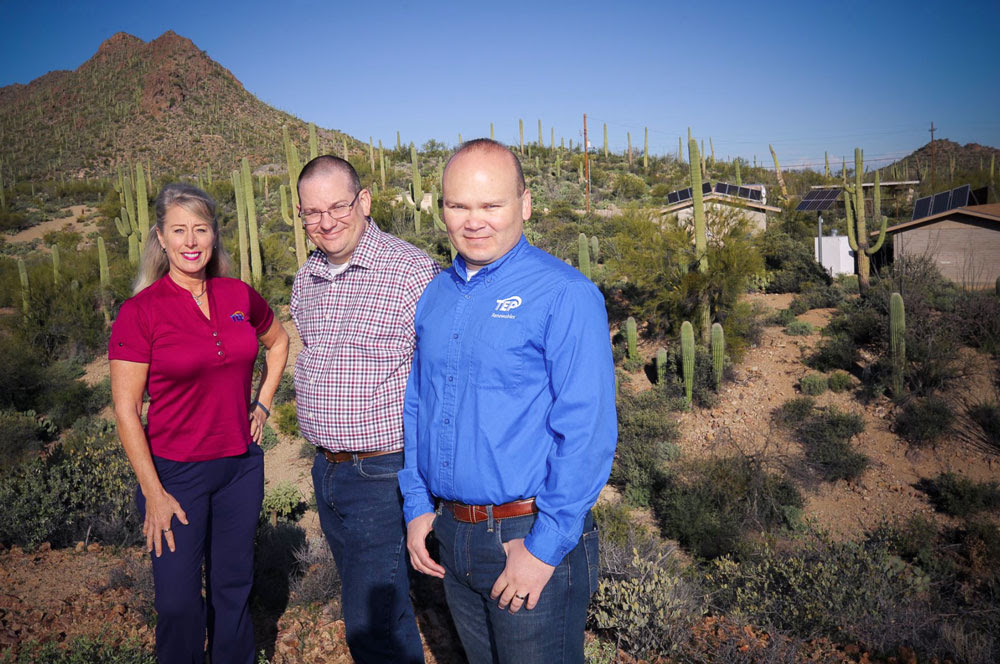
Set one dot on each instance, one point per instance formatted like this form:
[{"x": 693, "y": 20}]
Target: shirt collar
[
  {"x": 365, "y": 254},
  {"x": 462, "y": 270}
]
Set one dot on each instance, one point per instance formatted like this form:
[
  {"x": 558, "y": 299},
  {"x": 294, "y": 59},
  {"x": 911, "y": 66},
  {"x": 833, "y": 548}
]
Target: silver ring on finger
[{"x": 520, "y": 597}]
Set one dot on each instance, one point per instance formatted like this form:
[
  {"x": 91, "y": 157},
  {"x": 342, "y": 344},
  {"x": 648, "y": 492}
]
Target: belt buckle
[{"x": 478, "y": 513}]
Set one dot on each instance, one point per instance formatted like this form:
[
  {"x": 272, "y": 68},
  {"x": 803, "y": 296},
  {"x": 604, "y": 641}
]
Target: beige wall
[
  {"x": 965, "y": 249},
  {"x": 756, "y": 219}
]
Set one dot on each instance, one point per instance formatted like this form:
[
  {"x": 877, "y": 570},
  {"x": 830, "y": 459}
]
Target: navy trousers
[{"x": 222, "y": 500}]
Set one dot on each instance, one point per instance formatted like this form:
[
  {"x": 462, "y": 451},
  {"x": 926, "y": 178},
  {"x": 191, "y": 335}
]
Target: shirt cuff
[
  {"x": 417, "y": 499},
  {"x": 548, "y": 544}
]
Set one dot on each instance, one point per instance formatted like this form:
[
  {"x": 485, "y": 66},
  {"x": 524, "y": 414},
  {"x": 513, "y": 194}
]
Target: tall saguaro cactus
[
  {"x": 645, "y": 150},
  {"x": 687, "y": 361},
  {"x": 416, "y": 188},
  {"x": 256, "y": 269},
  {"x": 661, "y": 366},
  {"x": 105, "y": 276},
  {"x": 583, "y": 255},
  {"x": 605, "y": 140},
  {"x": 290, "y": 199},
  {"x": 718, "y": 354},
  {"x": 700, "y": 234},
  {"x": 897, "y": 342},
  {"x": 777, "y": 172},
  {"x": 857, "y": 227},
  {"x": 22, "y": 272},
  {"x": 632, "y": 338},
  {"x": 141, "y": 204},
  {"x": 241, "y": 224}
]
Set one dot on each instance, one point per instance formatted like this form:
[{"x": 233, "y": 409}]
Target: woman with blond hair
[{"x": 188, "y": 337}]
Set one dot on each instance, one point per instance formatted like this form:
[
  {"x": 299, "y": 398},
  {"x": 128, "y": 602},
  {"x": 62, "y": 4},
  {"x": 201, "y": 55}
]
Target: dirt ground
[{"x": 67, "y": 223}]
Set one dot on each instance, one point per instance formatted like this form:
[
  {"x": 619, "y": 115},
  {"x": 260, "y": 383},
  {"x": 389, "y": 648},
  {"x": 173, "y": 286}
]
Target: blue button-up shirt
[{"x": 512, "y": 394}]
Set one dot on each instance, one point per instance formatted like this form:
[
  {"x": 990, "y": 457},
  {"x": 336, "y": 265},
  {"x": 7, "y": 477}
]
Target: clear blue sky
[{"x": 805, "y": 76}]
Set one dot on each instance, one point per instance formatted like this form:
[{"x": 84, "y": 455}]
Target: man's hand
[
  {"x": 416, "y": 542},
  {"x": 523, "y": 578}
]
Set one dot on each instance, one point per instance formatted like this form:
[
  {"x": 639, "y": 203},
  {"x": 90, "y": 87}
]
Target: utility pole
[
  {"x": 932, "y": 154},
  {"x": 586, "y": 159}
]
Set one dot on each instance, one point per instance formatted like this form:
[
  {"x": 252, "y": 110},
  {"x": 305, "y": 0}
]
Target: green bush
[
  {"x": 826, "y": 437},
  {"x": 813, "y": 384},
  {"x": 984, "y": 425},
  {"x": 819, "y": 297},
  {"x": 818, "y": 588},
  {"x": 283, "y": 501},
  {"x": 790, "y": 263},
  {"x": 83, "y": 650},
  {"x": 714, "y": 503},
  {"x": 798, "y": 328},
  {"x": 286, "y": 389},
  {"x": 782, "y": 317},
  {"x": 839, "y": 381},
  {"x": 646, "y": 439},
  {"x": 923, "y": 422},
  {"x": 268, "y": 439},
  {"x": 288, "y": 419},
  {"x": 319, "y": 582},
  {"x": 794, "y": 411},
  {"x": 21, "y": 436},
  {"x": 960, "y": 496},
  {"x": 836, "y": 351}
]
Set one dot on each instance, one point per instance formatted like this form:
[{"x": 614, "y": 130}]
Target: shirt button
[
  {"x": 451, "y": 378},
  {"x": 467, "y": 297},
  {"x": 447, "y": 421},
  {"x": 221, "y": 353},
  {"x": 215, "y": 334},
  {"x": 218, "y": 343},
  {"x": 445, "y": 464},
  {"x": 454, "y": 336}
]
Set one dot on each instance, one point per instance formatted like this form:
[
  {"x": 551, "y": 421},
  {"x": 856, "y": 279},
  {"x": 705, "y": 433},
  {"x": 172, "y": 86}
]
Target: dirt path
[{"x": 68, "y": 223}]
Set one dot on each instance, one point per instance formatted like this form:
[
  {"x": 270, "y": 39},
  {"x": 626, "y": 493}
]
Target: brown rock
[
  {"x": 94, "y": 547},
  {"x": 79, "y": 547}
]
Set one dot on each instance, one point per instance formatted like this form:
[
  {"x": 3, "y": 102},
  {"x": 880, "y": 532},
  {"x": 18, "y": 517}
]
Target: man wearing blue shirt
[{"x": 509, "y": 422}]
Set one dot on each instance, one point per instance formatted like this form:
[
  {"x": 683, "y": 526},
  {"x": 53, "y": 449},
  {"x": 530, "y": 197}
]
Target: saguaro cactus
[
  {"x": 632, "y": 338},
  {"x": 777, "y": 171},
  {"x": 105, "y": 276},
  {"x": 520, "y": 131},
  {"x": 141, "y": 204},
  {"x": 595, "y": 248},
  {"x": 605, "y": 140},
  {"x": 55, "y": 264},
  {"x": 313, "y": 142},
  {"x": 718, "y": 353},
  {"x": 416, "y": 188},
  {"x": 645, "y": 150},
  {"x": 22, "y": 272},
  {"x": 700, "y": 234},
  {"x": 739, "y": 178},
  {"x": 241, "y": 224},
  {"x": 661, "y": 366},
  {"x": 289, "y": 211},
  {"x": 583, "y": 255},
  {"x": 897, "y": 342},
  {"x": 857, "y": 227},
  {"x": 687, "y": 361},
  {"x": 256, "y": 269}
]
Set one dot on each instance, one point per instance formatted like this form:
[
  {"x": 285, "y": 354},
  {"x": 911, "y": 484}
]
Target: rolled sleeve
[{"x": 130, "y": 340}]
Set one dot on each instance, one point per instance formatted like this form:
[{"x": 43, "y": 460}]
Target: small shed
[
  {"x": 963, "y": 242},
  {"x": 746, "y": 201}
]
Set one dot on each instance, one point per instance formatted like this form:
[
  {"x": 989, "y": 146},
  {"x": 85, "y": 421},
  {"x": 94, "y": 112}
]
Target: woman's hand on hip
[{"x": 160, "y": 511}]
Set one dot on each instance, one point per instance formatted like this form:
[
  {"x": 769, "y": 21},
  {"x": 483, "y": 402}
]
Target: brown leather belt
[
  {"x": 341, "y": 457},
  {"x": 477, "y": 513}
]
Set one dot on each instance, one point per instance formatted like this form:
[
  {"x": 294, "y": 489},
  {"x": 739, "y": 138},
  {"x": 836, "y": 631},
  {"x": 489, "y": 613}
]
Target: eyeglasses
[{"x": 337, "y": 212}]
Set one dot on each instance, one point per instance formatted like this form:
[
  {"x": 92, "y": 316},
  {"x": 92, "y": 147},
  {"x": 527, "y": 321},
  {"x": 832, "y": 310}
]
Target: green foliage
[
  {"x": 923, "y": 422},
  {"x": 813, "y": 384},
  {"x": 815, "y": 297},
  {"x": 687, "y": 360},
  {"x": 897, "y": 342},
  {"x": 984, "y": 425},
  {"x": 959, "y": 496},
  {"x": 86, "y": 483},
  {"x": 839, "y": 381},
  {"x": 662, "y": 366},
  {"x": 628, "y": 186},
  {"x": 632, "y": 337},
  {"x": 268, "y": 439},
  {"x": 287, "y": 419},
  {"x": 647, "y": 436},
  {"x": 798, "y": 328},
  {"x": 710, "y": 507},
  {"x": 21, "y": 436},
  {"x": 794, "y": 411},
  {"x": 583, "y": 255},
  {"x": 286, "y": 389},
  {"x": 718, "y": 354},
  {"x": 82, "y": 650},
  {"x": 818, "y": 588},
  {"x": 283, "y": 501},
  {"x": 789, "y": 262},
  {"x": 826, "y": 438}
]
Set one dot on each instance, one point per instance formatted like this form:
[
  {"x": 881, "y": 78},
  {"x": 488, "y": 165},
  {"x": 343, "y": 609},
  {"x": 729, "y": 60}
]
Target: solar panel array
[
  {"x": 682, "y": 195},
  {"x": 819, "y": 200},
  {"x": 740, "y": 192},
  {"x": 941, "y": 202}
]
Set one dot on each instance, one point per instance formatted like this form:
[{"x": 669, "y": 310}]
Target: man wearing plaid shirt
[{"x": 353, "y": 303}]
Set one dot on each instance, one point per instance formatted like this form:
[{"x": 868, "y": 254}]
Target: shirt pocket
[{"x": 498, "y": 356}]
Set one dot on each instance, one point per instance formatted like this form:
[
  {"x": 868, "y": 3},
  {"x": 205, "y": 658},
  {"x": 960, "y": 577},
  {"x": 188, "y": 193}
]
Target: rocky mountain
[{"x": 164, "y": 101}]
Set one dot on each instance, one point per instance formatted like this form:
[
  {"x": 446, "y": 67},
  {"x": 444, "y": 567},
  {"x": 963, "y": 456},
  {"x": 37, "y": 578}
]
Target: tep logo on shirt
[
  {"x": 506, "y": 304},
  {"x": 238, "y": 316}
]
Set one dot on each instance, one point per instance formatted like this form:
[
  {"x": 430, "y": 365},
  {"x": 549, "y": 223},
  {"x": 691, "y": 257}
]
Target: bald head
[
  {"x": 328, "y": 166},
  {"x": 489, "y": 146}
]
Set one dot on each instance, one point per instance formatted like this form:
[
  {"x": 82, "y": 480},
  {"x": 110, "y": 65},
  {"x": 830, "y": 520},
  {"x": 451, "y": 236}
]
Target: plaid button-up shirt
[{"x": 357, "y": 342}]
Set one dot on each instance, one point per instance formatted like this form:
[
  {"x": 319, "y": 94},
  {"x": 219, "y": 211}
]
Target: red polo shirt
[{"x": 200, "y": 369}]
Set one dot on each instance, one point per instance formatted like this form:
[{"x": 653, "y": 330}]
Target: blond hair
[{"x": 154, "y": 263}]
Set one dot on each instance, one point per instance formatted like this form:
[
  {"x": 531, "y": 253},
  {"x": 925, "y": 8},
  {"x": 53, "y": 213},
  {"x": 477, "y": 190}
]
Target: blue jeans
[
  {"x": 361, "y": 513},
  {"x": 552, "y": 632},
  {"x": 221, "y": 499}
]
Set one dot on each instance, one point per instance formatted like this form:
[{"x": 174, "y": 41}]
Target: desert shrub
[
  {"x": 782, "y": 317},
  {"x": 979, "y": 314},
  {"x": 794, "y": 411},
  {"x": 789, "y": 262},
  {"x": 798, "y": 328},
  {"x": 960, "y": 496},
  {"x": 135, "y": 575},
  {"x": 283, "y": 501},
  {"x": 839, "y": 381},
  {"x": 836, "y": 351},
  {"x": 84, "y": 484},
  {"x": 286, "y": 389},
  {"x": 268, "y": 439},
  {"x": 21, "y": 436},
  {"x": 319, "y": 582},
  {"x": 713, "y": 503},
  {"x": 275, "y": 565},
  {"x": 83, "y": 650},
  {"x": 628, "y": 186},
  {"x": 646, "y": 439},
  {"x": 813, "y": 384},
  {"x": 816, "y": 297},
  {"x": 826, "y": 437},
  {"x": 703, "y": 388},
  {"x": 743, "y": 324},
  {"x": 649, "y": 609},
  {"x": 817, "y": 588},
  {"x": 982, "y": 425},
  {"x": 287, "y": 419},
  {"x": 307, "y": 450},
  {"x": 923, "y": 422}
]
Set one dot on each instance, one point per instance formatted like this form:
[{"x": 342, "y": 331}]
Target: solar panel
[
  {"x": 813, "y": 195},
  {"x": 922, "y": 208},
  {"x": 706, "y": 187},
  {"x": 684, "y": 194},
  {"x": 722, "y": 188},
  {"x": 672, "y": 198},
  {"x": 941, "y": 202},
  {"x": 960, "y": 196},
  {"x": 752, "y": 194},
  {"x": 832, "y": 194}
]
